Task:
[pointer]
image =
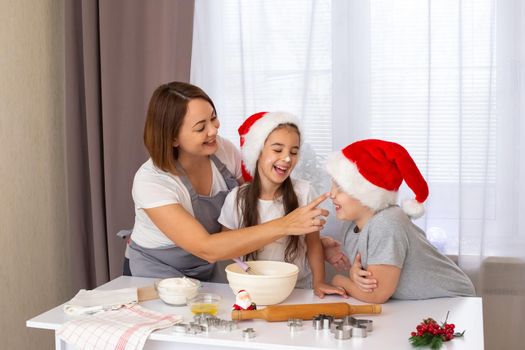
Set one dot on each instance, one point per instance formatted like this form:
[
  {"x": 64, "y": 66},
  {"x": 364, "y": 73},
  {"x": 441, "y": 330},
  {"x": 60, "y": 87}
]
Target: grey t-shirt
[{"x": 391, "y": 238}]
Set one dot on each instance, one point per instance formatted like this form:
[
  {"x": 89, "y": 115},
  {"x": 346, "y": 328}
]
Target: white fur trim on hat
[
  {"x": 258, "y": 133},
  {"x": 350, "y": 180},
  {"x": 413, "y": 208}
]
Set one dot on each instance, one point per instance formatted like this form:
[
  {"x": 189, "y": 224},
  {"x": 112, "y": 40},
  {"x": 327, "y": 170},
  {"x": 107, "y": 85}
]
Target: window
[
  {"x": 269, "y": 61},
  {"x": 420, "y": 73}
]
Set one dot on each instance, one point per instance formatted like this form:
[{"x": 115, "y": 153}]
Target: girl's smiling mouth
[{"x": 281, "y": 170}]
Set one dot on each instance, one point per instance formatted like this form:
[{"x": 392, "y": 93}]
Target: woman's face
[
  {"x": 198, "y": 132},
  {"x": 279, "y": 155},
  {"x": 346, "y": 207}
]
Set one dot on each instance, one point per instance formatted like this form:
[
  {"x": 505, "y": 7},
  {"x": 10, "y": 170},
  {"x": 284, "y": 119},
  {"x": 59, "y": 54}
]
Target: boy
[{"x": 399, "y": 260}]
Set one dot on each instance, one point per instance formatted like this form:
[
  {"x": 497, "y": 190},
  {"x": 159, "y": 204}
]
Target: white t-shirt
[
  {"x": 153, "y": 187},
  {"x": 269, "y": 210}
]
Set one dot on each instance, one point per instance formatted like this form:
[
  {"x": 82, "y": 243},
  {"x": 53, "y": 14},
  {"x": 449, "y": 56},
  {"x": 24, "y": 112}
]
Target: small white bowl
[
  {"x": 274, "y": 282},
  {"x": 177, "y": 290},
  {"x": 205, "y": 303}
]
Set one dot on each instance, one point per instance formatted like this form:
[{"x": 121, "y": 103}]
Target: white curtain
[{"x": 445, "y": 78}]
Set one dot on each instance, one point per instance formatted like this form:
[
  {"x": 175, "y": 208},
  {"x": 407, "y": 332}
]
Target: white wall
[{"x": 34, "y": 271}]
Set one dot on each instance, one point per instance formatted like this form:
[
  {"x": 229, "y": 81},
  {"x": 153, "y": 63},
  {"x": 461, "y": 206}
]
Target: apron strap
[
  {"x": 187, "y": 183},
  {"x": 231, "y": 181}
]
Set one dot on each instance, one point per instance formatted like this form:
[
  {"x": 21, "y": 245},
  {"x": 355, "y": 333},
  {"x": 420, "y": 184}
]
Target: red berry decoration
[{"x": 430, "y": 333}]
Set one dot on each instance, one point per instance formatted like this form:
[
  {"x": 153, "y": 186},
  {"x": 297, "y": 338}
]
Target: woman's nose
[{"x": 287, "y": 159}]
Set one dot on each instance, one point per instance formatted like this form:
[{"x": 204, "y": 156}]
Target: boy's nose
[
  {"x": 287, "y": 158},
  {"x": 332, "y": 193},
  {"x": 213, "y": 130}
]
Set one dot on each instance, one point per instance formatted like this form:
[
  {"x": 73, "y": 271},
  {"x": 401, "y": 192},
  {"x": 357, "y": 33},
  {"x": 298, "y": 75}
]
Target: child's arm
[
  {"x": 334, "y": 254},
  {"x": 362, "y": 278},
  {"x": 315, "y": 256},
  {"x": 387, "y": 277}
]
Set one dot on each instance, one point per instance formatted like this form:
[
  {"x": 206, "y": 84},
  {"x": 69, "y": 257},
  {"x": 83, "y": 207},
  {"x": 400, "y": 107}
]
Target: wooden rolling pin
[
  {"x": 147, "y": 293},
  {"x": 275, "y": 313}
]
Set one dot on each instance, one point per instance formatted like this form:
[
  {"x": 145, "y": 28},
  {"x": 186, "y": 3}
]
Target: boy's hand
[
  {"x": 321, "y": 289},
  {"x": 362, "y": 278},
  {"x": 334, "y": 254}
]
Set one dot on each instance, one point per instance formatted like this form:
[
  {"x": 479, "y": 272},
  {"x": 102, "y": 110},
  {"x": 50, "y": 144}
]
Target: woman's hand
[
  {"x": 362, "y": 278},
  {"x": 306, "y": 219},
  {"x": 334, "y": 254},
  {"x": 324, "y": 288}
]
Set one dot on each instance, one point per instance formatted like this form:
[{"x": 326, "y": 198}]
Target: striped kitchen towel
[
  {"x": 123, "y": 329},
  {"x": 92, "y": 301}
]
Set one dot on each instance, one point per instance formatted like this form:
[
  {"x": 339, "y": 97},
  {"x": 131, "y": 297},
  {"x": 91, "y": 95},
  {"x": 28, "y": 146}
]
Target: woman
[{"x": 179, "y": 192}]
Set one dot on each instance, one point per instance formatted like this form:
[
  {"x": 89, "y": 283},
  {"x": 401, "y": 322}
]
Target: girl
[
  {"x": 270, "y": 144},
  {"x": 399, "y": 260},
  {"x": 179, "y": 191}
]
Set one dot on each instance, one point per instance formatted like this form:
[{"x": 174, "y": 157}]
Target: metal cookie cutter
[
  {"x": 227, "y": 326},
  {"x": 295, "y": 324},
  {"x": 196, "y": 328},
  {"x": 205, "y": 320},
  {"x": 209, "y": 321},
  {"x": 317, "y": 322},
  {"x": 359, "y": 332},
  {"x": 248, "y": 333},
  {"x": 360, "y": 328},
  {"x": 181, "y": 328},
  {"x": 335, "y": 324},
  {"x": 343, "y": 332},
  {"x": 202, "y": 317},
  {"x": 322, "y": 321},
  {"x": 191, "y": 328},
  {"x": 354, "y": 322},
  {"x": 368, "y": 324}
]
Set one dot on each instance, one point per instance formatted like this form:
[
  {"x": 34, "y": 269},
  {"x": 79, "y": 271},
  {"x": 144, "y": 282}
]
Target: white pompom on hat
[
  {"x": 372, "y": 172},
  {"x": 254, "y": 132}
]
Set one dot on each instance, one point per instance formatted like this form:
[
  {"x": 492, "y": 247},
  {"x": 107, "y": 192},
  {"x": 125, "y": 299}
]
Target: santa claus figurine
[{"x": 243, "y": 301}]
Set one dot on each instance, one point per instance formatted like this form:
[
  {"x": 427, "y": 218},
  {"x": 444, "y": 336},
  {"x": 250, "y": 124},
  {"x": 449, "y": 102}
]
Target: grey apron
[{"x": 174, "y": 261}]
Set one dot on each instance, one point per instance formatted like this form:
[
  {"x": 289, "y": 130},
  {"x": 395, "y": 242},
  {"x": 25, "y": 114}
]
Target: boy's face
[{"x": 346, "y": 207}]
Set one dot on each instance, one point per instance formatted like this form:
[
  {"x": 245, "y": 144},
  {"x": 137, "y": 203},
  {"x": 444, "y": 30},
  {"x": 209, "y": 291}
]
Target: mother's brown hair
[{"x": 167, "y": 107}]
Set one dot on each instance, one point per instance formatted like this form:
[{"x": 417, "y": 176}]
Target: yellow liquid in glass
[{"x": 205, "y": 308}]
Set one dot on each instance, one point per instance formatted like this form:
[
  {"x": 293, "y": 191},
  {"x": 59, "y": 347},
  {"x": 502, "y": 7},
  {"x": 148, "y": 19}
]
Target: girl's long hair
[{"x": 247, "y": 203}]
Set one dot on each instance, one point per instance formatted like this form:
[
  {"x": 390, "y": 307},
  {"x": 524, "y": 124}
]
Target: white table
[{"x": 391, "y": 328}]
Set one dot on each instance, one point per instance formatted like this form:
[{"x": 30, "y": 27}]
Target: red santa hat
[
  {"x": 254, "y": 132},
  {"x": 372, "y": 171}
]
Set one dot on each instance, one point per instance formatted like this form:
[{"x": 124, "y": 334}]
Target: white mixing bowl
[
  {"x": 273, "y": 283},
  {"x": 175, "y": 291}
]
